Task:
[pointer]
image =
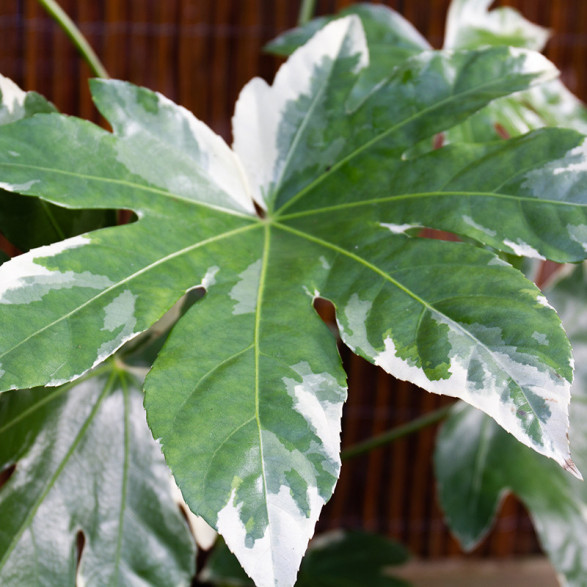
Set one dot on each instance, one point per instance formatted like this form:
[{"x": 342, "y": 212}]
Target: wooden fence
[{"x": 200, "y": 53}]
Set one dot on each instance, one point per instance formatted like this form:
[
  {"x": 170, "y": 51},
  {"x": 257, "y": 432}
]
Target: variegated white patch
[
  {"x": 578, "y": 233},
  {"x": 522, "y": 249},
  {"x": 244, "y": 293},
  {"x": 274, "y": 559},
  {"x": 470, "y": 222},
  {"x": 12, "y": 105},
  {"x": 540, "y": 338},
  {"x": 120, "y": 311},
  {"x": 119, "y": 315},
  {"x": 19, "y": 187},
  {"x": 354, "y": 330},
  {"x": 399, "y": 228},
  {"x": 209, "y": 278},
  {"x": 323, "y": 415},
  {"x": 24, "y": 280}
]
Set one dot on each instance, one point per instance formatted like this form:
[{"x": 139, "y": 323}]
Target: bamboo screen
[{"x": 200, "y": 53}]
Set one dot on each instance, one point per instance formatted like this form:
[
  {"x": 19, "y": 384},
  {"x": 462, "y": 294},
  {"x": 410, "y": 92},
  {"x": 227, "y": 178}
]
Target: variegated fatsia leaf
[{"x": 246, "y": 395}]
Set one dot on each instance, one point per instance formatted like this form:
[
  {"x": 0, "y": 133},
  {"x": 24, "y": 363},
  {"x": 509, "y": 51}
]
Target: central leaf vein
[{"x": 257, "y": 342}]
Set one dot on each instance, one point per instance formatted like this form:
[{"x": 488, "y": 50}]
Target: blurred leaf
[
  {"x": 84, "y": 461},
  {"x": 470, "y": 25}
]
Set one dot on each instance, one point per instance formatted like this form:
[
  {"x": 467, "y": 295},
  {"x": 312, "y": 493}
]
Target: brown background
[{"x": 200, "y": 53}]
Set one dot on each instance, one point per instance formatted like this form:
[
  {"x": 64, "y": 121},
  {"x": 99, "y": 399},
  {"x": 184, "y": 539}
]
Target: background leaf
[
  {"x": 84, "y": 461},
  {"x": 470, "y": 25},
  {"x": 474, "y": 476}
]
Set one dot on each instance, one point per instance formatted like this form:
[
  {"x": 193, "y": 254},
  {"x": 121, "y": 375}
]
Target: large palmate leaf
[
  {"x": 246, "y": 395},
  {"x": 30, "y": 222},
  {"x": 85, "y": 464},
  {"x": 474, "y": 475}
]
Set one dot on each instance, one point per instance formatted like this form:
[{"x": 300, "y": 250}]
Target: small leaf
[
  {"x": 85, "y": 462},
  {"x": 477, "y": 463}
]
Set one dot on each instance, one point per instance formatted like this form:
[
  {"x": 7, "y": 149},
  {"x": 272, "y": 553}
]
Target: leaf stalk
[
  {"x": 396, "y": 433},
  {"x": 76, "y": 37},
  {"x": 307, "y": 9}
]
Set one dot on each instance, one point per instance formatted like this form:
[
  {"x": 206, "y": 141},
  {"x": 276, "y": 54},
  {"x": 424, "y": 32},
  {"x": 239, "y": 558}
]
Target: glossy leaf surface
[
  {"x": 246, "y": 395},
  {"x": 473, "y": 476},
  {"x": 85, "y": 462}
]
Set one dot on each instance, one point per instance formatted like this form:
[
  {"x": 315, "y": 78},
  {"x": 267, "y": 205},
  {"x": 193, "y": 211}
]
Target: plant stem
[
  {"x": 396, "y": 433},
  {"x": 76, "y": 36},
  {"x": 307, "y": 10}
]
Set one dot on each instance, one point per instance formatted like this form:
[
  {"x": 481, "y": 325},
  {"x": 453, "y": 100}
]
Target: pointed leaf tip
[{"x": 570, "y": 466}]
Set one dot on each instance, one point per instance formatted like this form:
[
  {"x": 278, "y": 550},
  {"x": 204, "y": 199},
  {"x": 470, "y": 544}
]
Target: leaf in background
[
  {"x": 85, "y": 461},
  {"x": 30, "y": 222},
  {"x": 336, "y": 559},
  {"x": 247, "y": 393},
  {"x": 471, "y": 25},
  {"x": 477, "y": 463}
]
